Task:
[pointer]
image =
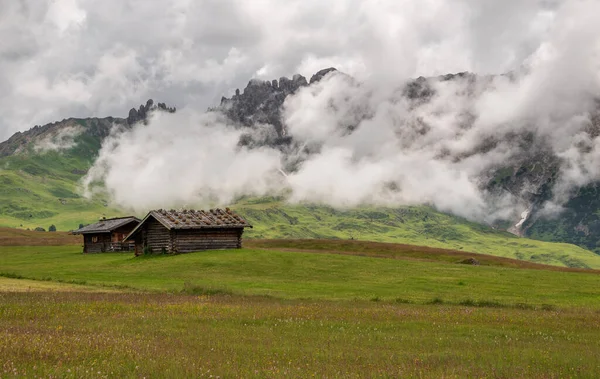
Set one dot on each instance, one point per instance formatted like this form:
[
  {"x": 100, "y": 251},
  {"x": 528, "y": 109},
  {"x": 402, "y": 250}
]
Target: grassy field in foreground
[
  {"x": 301, "y": 275},
  {"x": 27, "y": 285},
  {"x": 294, "y": 309},
  {"x": 144, "y": 335}
]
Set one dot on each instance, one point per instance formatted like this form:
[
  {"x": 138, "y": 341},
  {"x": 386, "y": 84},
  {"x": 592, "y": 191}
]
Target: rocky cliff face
[
  {"x": 261, "y": 102},
  {"x": 141, "y": 114},
  {"x": 97, "y": 128}
]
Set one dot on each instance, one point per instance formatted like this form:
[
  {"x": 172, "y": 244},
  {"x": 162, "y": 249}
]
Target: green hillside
[
  {"x": 42, "y": 189},
  {"x": 420, "y": 225},
  {"x": 38, "y": 189},
  {"x": 579, "y": 223}
]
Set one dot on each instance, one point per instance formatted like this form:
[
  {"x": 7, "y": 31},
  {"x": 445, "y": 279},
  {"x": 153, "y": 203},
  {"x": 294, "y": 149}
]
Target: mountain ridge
[{"x": 95, "y": 126}]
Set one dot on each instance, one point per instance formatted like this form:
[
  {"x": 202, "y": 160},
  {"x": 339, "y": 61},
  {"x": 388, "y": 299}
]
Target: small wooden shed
[
  {"x": 108, "y": 234},
  {"x": 188, "y": 230}
]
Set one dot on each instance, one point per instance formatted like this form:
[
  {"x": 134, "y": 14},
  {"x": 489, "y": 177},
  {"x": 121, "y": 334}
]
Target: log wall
[
  {"x": 139, "y": 244},
  {"x": 104, "y": 244},
  {"x": 99, "y": 245},
  {"x": 108, "y": 241},
  {"x": 156, "y": 236},
  {"x": 185, "y": 241}
]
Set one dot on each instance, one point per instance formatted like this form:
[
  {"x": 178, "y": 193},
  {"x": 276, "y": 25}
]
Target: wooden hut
[
  {"x": 188, "y": 230},
  {"x": 108, "y": 234}
]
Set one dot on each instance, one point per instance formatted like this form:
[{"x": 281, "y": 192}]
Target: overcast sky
[{"x": 81, "y": 58}]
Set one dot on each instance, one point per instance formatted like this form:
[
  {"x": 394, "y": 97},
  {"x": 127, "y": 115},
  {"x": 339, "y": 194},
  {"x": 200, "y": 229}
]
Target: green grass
[
  {"x": 41, "y": 189},
  {"x": 397, "y": 251},
  {"x": 421, "y": 225},
  {"x": 76, "y": 335},
  {"x": 296, "y": 275},
  {"x": 33, "y": 201},
  {"x": 270, "y": 313}
]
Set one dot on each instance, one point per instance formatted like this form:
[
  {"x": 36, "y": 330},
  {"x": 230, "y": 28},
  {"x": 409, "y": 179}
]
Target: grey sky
[{"x": 64, "y": 58}]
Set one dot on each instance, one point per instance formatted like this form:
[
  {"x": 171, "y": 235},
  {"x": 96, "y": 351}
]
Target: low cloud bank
[{"x": 181, "y": 159}]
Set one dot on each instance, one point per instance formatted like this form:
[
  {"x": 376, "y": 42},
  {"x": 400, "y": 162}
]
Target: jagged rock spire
[{"x": 142, "y": 113}]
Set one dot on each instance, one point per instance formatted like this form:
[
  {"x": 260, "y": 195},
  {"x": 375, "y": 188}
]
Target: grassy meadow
[
  {"x": 20, "y": 237},
  {"x": 326, "y": 309},
  {"x": 305, "y": 275},
  {"x": 160, "y": 335}
]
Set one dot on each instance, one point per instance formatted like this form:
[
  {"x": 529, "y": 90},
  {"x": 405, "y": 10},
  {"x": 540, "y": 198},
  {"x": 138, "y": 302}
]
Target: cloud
[
  {"x": 396, "y": 153},
  {"x": 80, "y": 58},
  {"x": 181, "y": 159},
  {"x": 62, "y": 139}
]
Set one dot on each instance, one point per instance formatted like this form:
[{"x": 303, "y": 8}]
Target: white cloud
[
  {"x": 62, "y": 139},
  {"x": 181, "y": 159},
  {"x": 67, "y": 58}
]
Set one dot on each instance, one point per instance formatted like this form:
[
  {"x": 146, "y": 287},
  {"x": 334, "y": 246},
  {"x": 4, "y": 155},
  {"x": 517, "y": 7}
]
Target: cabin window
[{"x": 94, "y": 239}]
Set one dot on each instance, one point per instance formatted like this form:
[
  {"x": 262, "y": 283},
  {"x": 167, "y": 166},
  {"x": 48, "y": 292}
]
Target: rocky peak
[
  {"x": 261, "y": 101},
  {"x": 144, "y": 111},
  {"x": 321, "y": 74}
]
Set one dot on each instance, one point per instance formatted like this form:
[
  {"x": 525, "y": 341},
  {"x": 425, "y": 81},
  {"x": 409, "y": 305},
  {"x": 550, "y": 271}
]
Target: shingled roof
[
  {"x": 106, "y": 225},
  {"x": 193, "y": 219}
]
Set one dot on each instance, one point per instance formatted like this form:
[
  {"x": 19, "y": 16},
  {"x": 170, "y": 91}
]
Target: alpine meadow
[{"x": 343, "y": 189}]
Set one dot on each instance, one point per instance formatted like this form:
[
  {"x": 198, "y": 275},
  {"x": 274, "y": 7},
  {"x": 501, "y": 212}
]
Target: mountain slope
[
  {"x": 40, "y": 170},
  {"x": 420, "y": 225},
  {"x": 40, "y": 187}
]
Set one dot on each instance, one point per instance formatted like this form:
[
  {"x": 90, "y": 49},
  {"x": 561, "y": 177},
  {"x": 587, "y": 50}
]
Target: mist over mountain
[{"x": 333, "y": 140}]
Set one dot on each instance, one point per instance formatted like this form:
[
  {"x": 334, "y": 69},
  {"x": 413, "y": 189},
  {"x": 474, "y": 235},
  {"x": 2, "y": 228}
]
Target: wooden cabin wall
[
  {"x": 104, "y": 242},
  {"x": 188, "y": 240},
  {"x": 96, "y": 243},
  {"x": 156, "y": 236}
]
